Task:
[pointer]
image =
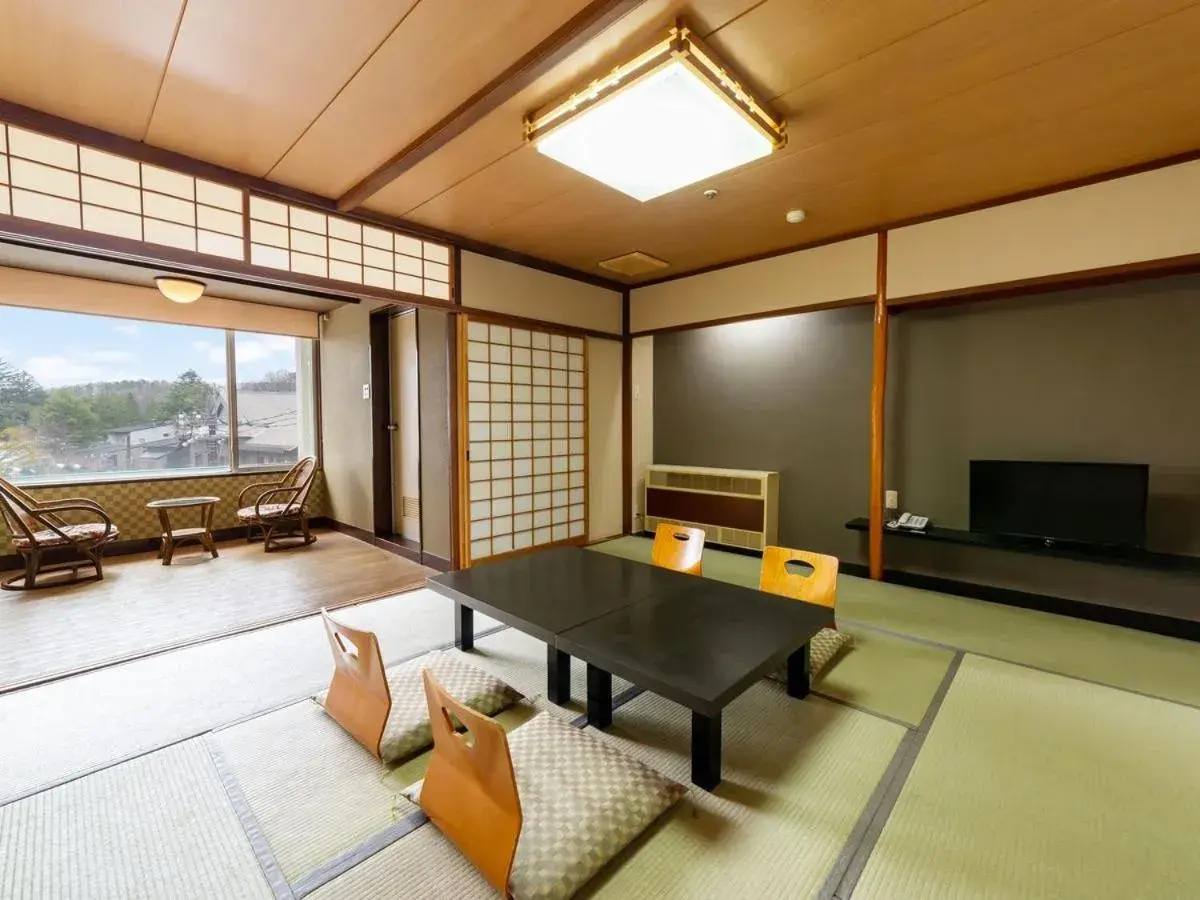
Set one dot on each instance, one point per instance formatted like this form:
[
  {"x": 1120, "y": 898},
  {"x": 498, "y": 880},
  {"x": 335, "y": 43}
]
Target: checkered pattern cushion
[
  {"x": 821, "y": 650},
  {"x": 582, "y": 802},
  {"x": 266, "y": 511},
  {"x": 407, "y": 731},
  {"x": 88, "y": 532}
]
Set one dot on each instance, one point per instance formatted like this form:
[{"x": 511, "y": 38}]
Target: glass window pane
[
  {"x": 275, "y": 408},
  {"x": 89, "y": 396}
]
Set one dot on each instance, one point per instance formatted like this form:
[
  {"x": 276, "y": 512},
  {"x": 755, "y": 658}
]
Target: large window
[{"x": 86, "y": 397}]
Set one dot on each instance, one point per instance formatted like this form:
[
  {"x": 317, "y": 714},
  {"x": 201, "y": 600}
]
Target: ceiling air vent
[{"x": 636, "y": 263}]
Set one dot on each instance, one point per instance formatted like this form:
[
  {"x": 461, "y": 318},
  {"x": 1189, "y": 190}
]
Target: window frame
[{"x": 234, "y": 467}]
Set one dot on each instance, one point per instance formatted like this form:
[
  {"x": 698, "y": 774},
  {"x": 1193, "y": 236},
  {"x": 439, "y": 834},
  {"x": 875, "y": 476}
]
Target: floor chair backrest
[
  {"x": 358, "y": 698},
  {"x": 470, "y": 789},
  {"x": 678, "y": 547},
  {"x": 818, "y": 586}
]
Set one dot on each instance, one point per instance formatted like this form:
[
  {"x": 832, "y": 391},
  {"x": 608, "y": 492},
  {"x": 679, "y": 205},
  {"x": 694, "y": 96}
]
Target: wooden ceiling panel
[
  {"x": 501, "y": 133},
  {"x": 976, "y": 46},
  {"x": 246, "y": 79},
  {"x": 439, "y": 56},
  {"x": 783, "y": 44},
  {"x": 1036, "y": 127},
  {"x": 97, "y": 62}
]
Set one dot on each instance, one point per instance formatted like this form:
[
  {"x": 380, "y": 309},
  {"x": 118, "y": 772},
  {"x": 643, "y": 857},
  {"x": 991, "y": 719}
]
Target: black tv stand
[{"x": 1131, "y": 557}]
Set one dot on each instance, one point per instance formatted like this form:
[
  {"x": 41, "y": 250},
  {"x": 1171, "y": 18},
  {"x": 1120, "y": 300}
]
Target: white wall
[
  {"x": 841, "y": 271},
  {"x": 642, "y": 376},
  {"x": 513, "y": 290},
  {"x": 604, "y": 438},
  {"x": 1152, "y": 215}
]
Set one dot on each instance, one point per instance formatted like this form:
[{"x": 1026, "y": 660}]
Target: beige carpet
[
  {"x": 1033, "y": 785},
  {"x": 143, "y": 607}
]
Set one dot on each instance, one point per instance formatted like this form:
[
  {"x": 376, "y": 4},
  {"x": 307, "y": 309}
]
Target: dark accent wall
[
  {"x": 433, "y": 374},
  {"x": 791, "y": 395},
  {"x": 1102, "y": 374}
]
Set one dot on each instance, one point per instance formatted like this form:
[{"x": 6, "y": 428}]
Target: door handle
[{"x": 393, "y": 427}]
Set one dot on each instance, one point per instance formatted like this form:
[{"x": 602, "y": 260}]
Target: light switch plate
[
  {"x": 366, "y": 392},
  {"x": 892, "y": 499}
]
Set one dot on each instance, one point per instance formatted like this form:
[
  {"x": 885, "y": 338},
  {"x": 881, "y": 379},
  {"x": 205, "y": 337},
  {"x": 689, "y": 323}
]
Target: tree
[
  {"x": 19, "y": 393},
  {"x": 67, "y": 420},
  {"x": 189, "y": 394},
  {"x": 116, "y": 410}
]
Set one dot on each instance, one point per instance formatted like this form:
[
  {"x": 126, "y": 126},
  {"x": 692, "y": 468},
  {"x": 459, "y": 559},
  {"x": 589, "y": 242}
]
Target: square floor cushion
[
  {"x": 582, "y": 802},
  {"x": 407, "y": 731},
  {"x": 827, "y": 644}
]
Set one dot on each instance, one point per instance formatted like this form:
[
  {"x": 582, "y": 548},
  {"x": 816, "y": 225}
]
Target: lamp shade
[{"x": 180, "y": 290}]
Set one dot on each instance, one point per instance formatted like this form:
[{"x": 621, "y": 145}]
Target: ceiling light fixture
[
  {"x": 179, "y": 290},
  {"x": 796, "y": 216},
  {"x": 672, "y": 116}
]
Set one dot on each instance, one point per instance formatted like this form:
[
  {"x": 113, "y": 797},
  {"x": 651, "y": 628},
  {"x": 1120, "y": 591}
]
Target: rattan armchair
[
  {"x": 279, "y": 508},
  {"x": 38, "y": 526}
]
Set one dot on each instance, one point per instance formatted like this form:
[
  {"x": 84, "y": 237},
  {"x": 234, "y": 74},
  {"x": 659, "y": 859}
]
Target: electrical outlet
[
  {"x": 892, "y": 499},
  {"x": 366, "y": 392}
]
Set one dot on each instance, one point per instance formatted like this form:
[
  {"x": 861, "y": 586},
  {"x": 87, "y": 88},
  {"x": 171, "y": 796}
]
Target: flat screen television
[{"x": 1087, "y": 503}]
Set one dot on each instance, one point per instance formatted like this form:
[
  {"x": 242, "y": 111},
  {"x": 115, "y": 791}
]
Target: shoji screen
[{"x": 526, "y": 439}]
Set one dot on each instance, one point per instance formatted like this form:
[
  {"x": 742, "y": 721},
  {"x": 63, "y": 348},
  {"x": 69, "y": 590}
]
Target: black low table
[{"x": 698, "y": 642}]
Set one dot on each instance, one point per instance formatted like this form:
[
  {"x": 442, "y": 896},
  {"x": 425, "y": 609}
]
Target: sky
[{"x": 61, "y": 349}]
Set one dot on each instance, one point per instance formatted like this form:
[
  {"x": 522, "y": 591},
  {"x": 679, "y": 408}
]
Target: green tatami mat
[
  {"x": 156, "y": 827},
  {"x": 315, "y": 792},
  {"x": 886, "y": 675},
  {"x": 1031, "y": 785},
  {"x": 423, "y": 865},
  {"x": 796, "y": 777},
  {"x": 520, "y": 660},
  {"x": 1134, "y": 660}
]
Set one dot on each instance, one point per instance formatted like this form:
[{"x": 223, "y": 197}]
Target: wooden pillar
[{"x": 878, "y": 398}]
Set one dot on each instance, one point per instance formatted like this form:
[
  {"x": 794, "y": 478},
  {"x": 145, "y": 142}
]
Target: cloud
[
  {"x": 263, "y": 346},
  {"x": 57, "y": 371},
  {"x": 127, "y": 329},
  {"x": 212, "y": 352}
]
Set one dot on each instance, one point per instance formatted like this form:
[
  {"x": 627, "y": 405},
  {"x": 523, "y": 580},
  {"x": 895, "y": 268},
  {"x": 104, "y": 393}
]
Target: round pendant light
[{"x": 180, "y": 290}]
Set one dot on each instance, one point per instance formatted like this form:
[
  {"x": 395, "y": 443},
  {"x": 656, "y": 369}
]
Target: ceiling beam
[{"x": 582, "y": 28}]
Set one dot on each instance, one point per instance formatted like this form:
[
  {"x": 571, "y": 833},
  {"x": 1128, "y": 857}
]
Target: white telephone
[{"x": 909, "y": 522}]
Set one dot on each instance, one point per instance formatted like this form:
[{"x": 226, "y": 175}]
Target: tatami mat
[
  {"x": 314, "y": 792},
  {"x": 77, "y": 724},
  {"x": 796, "y": 777},
  {"x": 885, "y": 675},
  {"x": 1032, "y": 785},
  {"x": 520, "y": 660},
  {"x": 1135, "y": 660},
  {"x": 158, "y": 827},
  {"x": 422, "y": 866}
]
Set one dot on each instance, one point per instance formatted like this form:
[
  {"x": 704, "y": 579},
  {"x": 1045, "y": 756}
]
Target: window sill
[{"x": 139, "y": 477}]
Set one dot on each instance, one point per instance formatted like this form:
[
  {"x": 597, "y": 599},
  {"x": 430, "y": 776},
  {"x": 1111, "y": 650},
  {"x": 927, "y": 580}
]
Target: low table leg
[
  {"x": 599, "y": 697},
  {"x": 464, "y": 627},
  {"x": 798, "y": 673},
  {"x": 706, "y": 750},
  {"x": 558, "y": 676}
]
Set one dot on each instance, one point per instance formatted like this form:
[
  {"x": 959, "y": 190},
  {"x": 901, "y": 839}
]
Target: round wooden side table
[{"x": 171, "y": 536}]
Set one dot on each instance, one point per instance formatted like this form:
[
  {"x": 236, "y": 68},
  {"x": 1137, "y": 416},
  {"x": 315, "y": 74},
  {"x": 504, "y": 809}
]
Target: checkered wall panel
[{"x": 126, "y": 501}]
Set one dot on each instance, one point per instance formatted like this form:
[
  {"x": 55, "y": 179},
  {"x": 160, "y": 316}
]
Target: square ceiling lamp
[{"x": 671, "y": 117}]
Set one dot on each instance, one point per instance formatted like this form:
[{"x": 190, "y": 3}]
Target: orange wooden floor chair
[
  {"x": 818, "y": 586},
  {"x": 470, "y": 789},
  {"x": 358, "y": 698},
  {"x": 678, "y": 547}
]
